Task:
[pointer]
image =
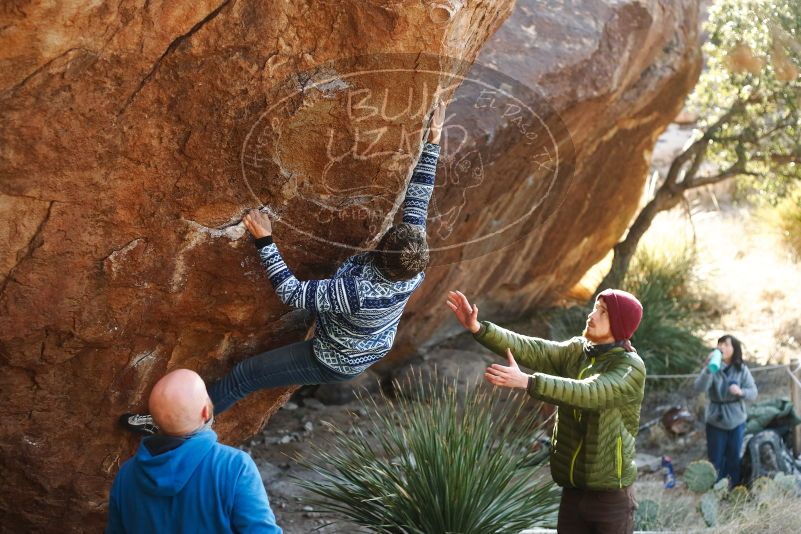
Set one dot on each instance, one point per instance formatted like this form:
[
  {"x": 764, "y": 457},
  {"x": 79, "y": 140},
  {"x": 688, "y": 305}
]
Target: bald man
[{"x": 182, "y": 480}]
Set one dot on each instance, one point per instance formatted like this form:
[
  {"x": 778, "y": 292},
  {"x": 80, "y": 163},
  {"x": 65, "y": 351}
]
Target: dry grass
[
  {"x": 746, "y": 262},
  {"x": 785, "y": 220},
  {"x": 789, "y": 332},
  {"x": 749, "y": 265},
  {"x": 743, "y": 260},
  {"x": 676, "y": 507},
  {"x": 767, "y": 510},
  {"x": 749, "y": 262},
  {"x": 777, "y": 514}
]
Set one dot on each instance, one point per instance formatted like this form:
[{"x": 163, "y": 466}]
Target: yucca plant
[{"x": 437, "y": 463}]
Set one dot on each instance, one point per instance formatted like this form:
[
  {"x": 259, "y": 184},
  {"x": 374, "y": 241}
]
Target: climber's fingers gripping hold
[
  {"x": 258, "y": 224},
  {"x": 437, "y": 121}
]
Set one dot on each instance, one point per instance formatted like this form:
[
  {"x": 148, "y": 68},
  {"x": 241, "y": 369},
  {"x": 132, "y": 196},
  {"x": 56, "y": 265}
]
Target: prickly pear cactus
[
  {"x": 646, "y": 516},
  {"x": 708, "y": 506},
  {"x": 721, "y": 488},
  {"x": 700, "y": 476},
  {"x": 787, "y": 483},
  {"x": 738, "y": 495},
  {"x": 763, "y": 485},
  {"x": 764, "y": 490}
]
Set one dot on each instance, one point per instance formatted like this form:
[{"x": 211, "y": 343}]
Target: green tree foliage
[
  {"x": 747, "y": 100},
  {"x": 749, "y": 95}
]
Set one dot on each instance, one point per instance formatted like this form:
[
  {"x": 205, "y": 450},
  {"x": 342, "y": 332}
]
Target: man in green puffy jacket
[{"x": 596, "y": 380}]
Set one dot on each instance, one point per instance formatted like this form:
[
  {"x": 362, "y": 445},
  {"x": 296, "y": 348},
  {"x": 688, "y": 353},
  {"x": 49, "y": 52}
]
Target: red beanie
[{"x": 625, "y": 313}]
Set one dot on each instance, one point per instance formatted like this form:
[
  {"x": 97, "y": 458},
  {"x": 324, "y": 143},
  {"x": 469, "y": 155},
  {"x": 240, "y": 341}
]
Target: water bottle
[
  {"x": 667, "y": 469},
  {"x": 714, "y": 361}
]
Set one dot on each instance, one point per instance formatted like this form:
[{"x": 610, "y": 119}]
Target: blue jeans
[
  {"x": 291, "y": 365},
  {"x": 723, "y": 448}
]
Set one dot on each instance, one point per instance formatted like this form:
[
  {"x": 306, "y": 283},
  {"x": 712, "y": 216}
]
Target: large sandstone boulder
[
  {"x": 615, "y": 73},
  {"x": 134, "y": 136}
]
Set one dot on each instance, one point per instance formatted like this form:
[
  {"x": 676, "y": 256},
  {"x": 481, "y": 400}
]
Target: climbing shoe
[{"x": 138, "y": 424}]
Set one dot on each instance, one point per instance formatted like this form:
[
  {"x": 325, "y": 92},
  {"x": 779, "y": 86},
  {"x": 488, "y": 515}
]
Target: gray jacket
[{"x": 726, "y": 411}]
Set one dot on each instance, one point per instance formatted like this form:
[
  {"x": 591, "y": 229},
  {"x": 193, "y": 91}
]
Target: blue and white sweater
[{"x": 357, "y": 310}]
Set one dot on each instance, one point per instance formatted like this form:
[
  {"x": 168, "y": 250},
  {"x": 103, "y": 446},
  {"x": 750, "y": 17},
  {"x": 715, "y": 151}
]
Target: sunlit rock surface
[{"x": 134, "y": 136}]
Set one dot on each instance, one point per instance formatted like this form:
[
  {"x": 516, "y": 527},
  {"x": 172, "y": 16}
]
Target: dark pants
[
  {"x": 596, "y": 512},
  {"x": 723, "y": 448},
  {"x": 291, "y": 365}
]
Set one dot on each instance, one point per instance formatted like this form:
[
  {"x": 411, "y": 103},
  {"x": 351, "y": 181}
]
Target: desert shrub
[
  {"x": 437, "y": 463},
  {"x": 785, "y": 216},
  {"x": 676, "y": 308}
]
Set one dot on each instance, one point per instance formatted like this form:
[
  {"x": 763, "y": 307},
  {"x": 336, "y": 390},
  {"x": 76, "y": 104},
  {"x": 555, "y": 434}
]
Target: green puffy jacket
[{"x": 598, "y": 400}]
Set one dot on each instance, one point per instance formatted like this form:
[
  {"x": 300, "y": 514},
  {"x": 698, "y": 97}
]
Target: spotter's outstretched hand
[
  {"x": 507, "y": 376},
  {"x": 466, "y": 314}
]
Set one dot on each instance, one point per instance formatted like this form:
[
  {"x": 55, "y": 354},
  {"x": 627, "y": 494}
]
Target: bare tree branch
[
  {"x": 698, "y": 159},
  {"x": 784, "y": 159},
  {"x": 696, "y": 151},
  {"x": 734, "y": 170}
]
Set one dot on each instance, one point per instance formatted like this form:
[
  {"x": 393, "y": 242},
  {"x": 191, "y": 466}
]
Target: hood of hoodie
[{"x": 167, "y": 473}]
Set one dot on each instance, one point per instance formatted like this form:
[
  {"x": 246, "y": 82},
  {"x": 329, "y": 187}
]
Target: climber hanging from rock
[{"x": 357, "y": 311}]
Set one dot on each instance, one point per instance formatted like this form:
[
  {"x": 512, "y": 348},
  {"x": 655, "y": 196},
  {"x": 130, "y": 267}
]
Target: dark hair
[
  {"x": 402, "y": 252},
  {"x": 737, "y": 354}
]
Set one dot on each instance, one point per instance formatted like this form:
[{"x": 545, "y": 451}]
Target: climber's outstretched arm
[
  {"x": 339, "y": 295},
  {"x": 421, "y": 187}
]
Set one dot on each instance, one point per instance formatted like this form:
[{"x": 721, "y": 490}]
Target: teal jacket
[{"x": 598, "y": 400}]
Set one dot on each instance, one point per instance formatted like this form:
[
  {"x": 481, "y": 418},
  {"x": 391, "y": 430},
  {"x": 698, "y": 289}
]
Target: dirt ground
[{"x": 299, "y": 425}]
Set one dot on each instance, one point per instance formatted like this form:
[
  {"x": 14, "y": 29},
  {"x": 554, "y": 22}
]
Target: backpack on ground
[{"x": 766, "y": 455}]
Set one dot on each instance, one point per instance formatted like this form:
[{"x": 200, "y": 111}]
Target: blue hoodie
[{"x": 197, "y": 486}]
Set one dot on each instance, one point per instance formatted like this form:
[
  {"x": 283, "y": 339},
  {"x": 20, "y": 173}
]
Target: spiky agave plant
[{"x": 437, "y": 462}]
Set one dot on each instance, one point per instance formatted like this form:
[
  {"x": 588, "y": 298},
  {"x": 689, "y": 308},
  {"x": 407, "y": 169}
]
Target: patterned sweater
[{"x": 358, "y": 309}]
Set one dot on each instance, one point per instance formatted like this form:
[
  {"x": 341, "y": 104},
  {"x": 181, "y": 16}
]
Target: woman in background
[{"x": 727, "y": 385}]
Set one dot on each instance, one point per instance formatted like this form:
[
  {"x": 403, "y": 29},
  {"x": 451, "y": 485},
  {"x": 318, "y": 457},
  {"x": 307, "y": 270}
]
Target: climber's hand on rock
[
  {"x": 258, "y": 224},
  {"x": 437, "y": 120}
]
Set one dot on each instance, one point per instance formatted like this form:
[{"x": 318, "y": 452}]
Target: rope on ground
[{"x": 758, "y": 369}]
